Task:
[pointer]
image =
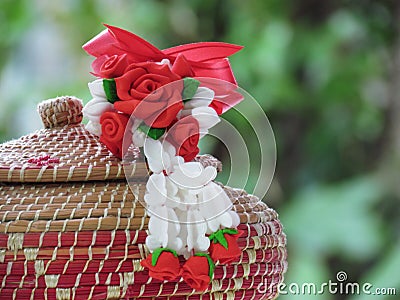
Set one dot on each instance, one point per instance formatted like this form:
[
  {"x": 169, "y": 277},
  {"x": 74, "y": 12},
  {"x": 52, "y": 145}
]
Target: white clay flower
[
  {"x": 164, "y": 229},
  {"x": 198, "y": 107},
  {"x": 138, "y": 136},
  {"x": 94, "y": 127},
  {"x": 96, "y": 107},
  {"x": 160, "y": 156},
  {"x": 192, "y": 175}
]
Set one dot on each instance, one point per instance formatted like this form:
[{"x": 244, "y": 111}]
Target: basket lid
[{"x": 63, "y": 151}]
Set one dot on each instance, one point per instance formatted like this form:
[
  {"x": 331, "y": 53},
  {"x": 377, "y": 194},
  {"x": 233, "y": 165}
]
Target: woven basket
[{"x": 72, "y": 228}]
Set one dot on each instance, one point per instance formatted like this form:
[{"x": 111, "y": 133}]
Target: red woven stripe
[
  {"x": 132, "y": 252},
  {"x": 108, "y": 266},
  {"x": 263, "y": 242},
  {"x": 118, "y": 252},
  {"x": 3, "y": 240},
  {"x": 248, "y": 294},
  {"x": 70, "y": 280},
  {"x": 103, "y": 238},
  {"x": 168, "y": 288},
  {"x": 70, "y": 267},
  {"x": 80, "y": 239},
  {"x": 100, "y": 292}
]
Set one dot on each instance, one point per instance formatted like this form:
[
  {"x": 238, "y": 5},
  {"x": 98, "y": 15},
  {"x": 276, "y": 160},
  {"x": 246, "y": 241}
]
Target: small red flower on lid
[
  {"x": 224, "y": 247},
  {"x": 198, "y": 271},
  {"x": 163, "y": 264}
]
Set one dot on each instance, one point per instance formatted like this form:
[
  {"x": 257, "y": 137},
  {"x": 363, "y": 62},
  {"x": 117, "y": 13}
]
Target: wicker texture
[
  {"x": 86, "y": 260},
  {"x": 73, "y": 228},
  {"x": 79, "y": 156},
  {"x": 61, "y": 111}
]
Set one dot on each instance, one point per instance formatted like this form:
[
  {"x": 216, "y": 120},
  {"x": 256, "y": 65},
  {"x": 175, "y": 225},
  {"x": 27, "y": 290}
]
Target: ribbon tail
[
  {"x": 102, "y": 44},
  {"x": 226, "y": 94},
  {"x": 136, "y": 47},
  {"x": 204, "y": 51},
  {"x": 219, "y": 70}
]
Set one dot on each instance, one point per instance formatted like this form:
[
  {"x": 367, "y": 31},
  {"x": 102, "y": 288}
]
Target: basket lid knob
[{"x": 60, "y": 111}]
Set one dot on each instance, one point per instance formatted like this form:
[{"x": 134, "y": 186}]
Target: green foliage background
[{"x": 327, "y": 74}]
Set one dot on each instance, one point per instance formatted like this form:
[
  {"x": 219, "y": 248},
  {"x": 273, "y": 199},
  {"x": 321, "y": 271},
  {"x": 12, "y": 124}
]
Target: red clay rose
[
  {"x": 196, "y": 272},
  {"x": 166, "y": 268},
  {"x": 110, "y": 66},
  {"x": 229, "y": 254},
  {"x": 184, "y": 136},
  {"x": 136, "y": 90},
  {"x": 112, "y": 131},
  {"x": 159, "y": 109}
]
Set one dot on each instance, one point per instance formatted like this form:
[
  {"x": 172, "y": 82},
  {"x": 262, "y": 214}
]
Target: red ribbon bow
[{"x": 207, "y": 59}]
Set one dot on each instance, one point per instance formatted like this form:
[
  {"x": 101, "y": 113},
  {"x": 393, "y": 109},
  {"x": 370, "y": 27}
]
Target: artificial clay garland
[{"x": 172, "y": 109}]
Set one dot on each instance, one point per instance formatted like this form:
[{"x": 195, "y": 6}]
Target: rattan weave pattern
[
  {"x": 99, "y": 211},
  {"x": 72, "y": 228},
  {"x": 81, "y": 157},
  {"x": 84, "y": 262},
  {"x": 60, "y": 111},
  {"x": 79, "y": 154}
]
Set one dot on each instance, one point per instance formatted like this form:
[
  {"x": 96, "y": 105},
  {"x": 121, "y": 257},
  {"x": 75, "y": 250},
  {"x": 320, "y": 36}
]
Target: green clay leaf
[
  {"x": 230, "y": 231},
  {"x": 221, "y": 239},
  {"x": 110, "y": 88},
  {"x": 211, "y": 264},
  {"x": 218, "y": 236},
  {"x": 154, "y": 133},
  {"x": 157, "y": 252},
  {"x": 190, "y": 86}
]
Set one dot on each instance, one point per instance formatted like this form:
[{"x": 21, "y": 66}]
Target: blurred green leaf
[{"x": 336, "y": 220}]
